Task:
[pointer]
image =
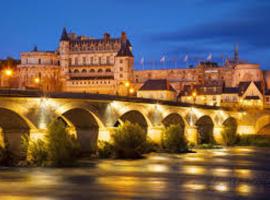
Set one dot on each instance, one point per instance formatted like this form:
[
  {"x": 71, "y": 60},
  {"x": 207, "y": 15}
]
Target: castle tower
[
  {"x": 63, "y": 52},
  {"x": 123, "y": 67}
]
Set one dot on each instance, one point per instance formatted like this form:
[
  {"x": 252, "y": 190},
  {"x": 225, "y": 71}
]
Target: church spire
[
  {"x": 236, "y": 54},
  {"x": 64, "y": 36}
]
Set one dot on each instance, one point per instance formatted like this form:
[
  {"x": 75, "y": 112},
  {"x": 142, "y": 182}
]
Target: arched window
[
  {"x": 76, "y": 71},
  {"x": 108, "y": 70},
  {"x": 100, "y": 70},
  {"x": 92, "y": 70},
  {"x": 84, "y": 71}
]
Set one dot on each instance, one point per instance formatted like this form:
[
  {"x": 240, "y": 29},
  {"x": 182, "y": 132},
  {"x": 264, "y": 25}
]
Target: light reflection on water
[{"x": 159, "y": 176}]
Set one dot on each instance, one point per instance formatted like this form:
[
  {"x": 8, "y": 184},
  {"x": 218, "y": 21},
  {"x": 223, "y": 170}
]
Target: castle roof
[
  {"x": 125, "y": 49},
  {"x": 64, "y": 36},
  {"x": 157, "y": 84}
]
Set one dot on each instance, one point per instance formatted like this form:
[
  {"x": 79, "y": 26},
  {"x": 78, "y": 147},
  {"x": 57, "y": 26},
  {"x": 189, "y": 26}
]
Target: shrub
[
  {"x": 229, "y": 136},
  {"x": 36, "y": 151},
  {"x": 105, "y": 149},
  {"x": 58, "y": 148},
  {"x": 173, "y": 139},
  {"x": 7, "y": 158},
  {"x": 254, "y": 140},
  {"x": 229, "y": 132},
  {"x": 129, "y": 141},
  {"x": 62, "y": 148}
]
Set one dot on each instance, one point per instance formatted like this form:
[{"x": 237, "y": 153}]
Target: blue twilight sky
[{"x": 156, "y": 28}]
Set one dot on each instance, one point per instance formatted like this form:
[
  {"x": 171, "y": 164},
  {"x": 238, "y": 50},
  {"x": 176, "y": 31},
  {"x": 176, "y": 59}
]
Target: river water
[{"x": 230, "y": 173}]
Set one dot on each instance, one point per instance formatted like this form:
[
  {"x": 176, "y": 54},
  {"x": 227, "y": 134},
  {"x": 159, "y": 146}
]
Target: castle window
[
  {"x": 121, "y": 61},
  {"x": 121, "y": 69},
  {"x": 76, "y": 71},
  {"x": 92, "y": 70},
  {"x": 39, "y": 61},
  {"x": 70, "y": 61},
  {"x": 84, "y": 71},
  {"x": 121, "y": 75},
  {"x": 84, "y": 60},
  {"x": 108, "y": 59},
  {"x": 76, "y": 61},
  {"x": 100, "y": 70},
  {"x": 108, "y": 70},
  {"x": 99, "y": 60}
]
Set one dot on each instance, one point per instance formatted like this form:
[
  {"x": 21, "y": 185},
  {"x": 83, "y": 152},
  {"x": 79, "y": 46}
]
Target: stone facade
[{"x": 105, "y": 66}]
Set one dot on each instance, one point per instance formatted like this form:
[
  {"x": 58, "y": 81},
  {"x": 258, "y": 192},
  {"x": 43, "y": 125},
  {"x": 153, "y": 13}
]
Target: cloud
[{"x": 247, "y": 27}]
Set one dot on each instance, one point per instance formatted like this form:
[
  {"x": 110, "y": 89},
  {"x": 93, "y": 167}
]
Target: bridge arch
[
  {"x": 85, "y": 121},
  {"x": 262, "y": 124},
  {"x": 205, "y": 127},
  {"x": 13, "y": 126},
  {"x": 173, "y": 118},
  {"x": 133, "y": 116},
  {"x": 230, "y": 127}
]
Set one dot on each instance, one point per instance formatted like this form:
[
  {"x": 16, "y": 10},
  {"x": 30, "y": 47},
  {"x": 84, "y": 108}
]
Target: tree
[
  {"x": 129, "y": 141},
  {"x": 63, "y": 148},
  {"x": 173, "y": 139}
]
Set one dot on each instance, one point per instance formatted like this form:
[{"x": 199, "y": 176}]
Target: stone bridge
[{"x": 93, "y": 117}]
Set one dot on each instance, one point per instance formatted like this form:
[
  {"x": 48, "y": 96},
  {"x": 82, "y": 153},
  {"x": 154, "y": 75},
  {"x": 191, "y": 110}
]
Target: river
[{"x": 229, "y": 173}]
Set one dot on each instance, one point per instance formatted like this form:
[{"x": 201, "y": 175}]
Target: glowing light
[
  {"x": 244, "y": 173},
  {"x": 194, "y": 94},
  {"x": 131, "y": 90},
  {"x": 221, "y": 187},
  {"x": 127, "y": 84},
  {"x": 157, "y": 168},
  {"x": 221, "y": 172},
  {"x": 194, "y": 170},
  {"x": 8, "y": 72},
  {"x": 244, "y": 189},
  {"x": 194, "y": 186},
  {"x": 37, "y": 80}
]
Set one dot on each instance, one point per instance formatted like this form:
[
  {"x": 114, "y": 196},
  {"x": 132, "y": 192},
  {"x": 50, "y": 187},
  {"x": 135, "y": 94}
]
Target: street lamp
[
  {"x": 131, "y": 91},
  {"x": 36, "y": 80},
  {"x": 8, "y": 72}
]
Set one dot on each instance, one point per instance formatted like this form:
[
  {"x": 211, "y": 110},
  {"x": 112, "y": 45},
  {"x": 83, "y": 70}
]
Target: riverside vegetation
[{"x": 129, "y": 141}]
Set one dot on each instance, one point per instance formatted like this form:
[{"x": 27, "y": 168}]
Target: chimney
[
  {"x": 107, "y": 36},
  {"x": 123, "y": 36}
]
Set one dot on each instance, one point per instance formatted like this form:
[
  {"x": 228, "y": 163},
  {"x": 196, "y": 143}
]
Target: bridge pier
[
  {"x": 191, "y": 134},
  {"x": 246, "y": 129},
  {"x": 105, "y": 133},
  {"x": 155, "y": 133},
  {"x": 217, "y": 133}
]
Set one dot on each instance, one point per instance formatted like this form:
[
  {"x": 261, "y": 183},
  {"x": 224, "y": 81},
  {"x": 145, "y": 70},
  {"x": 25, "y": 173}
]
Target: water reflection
[
  {"x": 205, "y": 175},
  {"x": 221, "y": 187},
  {"x": 194, "y": 170}
]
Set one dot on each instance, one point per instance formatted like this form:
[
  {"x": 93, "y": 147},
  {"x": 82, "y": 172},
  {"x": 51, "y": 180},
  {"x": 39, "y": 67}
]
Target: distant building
[{"x": 157, "y": 89}]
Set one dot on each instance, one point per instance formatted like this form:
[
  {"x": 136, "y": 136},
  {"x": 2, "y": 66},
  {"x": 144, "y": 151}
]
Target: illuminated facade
[{"x": 105, "y": 66}]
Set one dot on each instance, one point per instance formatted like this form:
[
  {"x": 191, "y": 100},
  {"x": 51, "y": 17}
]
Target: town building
[{"x": 159, "y": 89}]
